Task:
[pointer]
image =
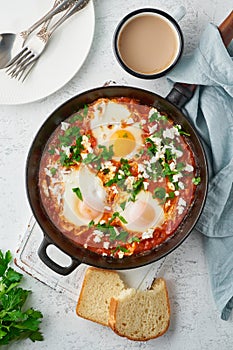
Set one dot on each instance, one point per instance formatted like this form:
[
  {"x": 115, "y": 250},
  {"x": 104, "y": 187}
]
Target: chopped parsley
[
  {"x": 137, "y": 187},
  {"x": 75, "y": 154},
  {"x": 122, "y": 205},
  {"x": 16, "y": 321},
  {"x": 157, "y": 116},
  {"x": 152, "y": 149},
  {"x": 133, "y": 239},
  {"x": 117, "y": 215},
  {"x": 121, "y": 249},
  {"x": 181, "y": 132},
  {"x": 160, "y": 193},
  {"x": 107, "y": 228},
  {"x": 68, "y": 136},
  {"x": 51, "y": 151},
  {"x": 78, "y": 193},
  {"x": 53, "y": 171},
  {"x": 106, "y": 154},
  {"x": 196, "y": 180}
]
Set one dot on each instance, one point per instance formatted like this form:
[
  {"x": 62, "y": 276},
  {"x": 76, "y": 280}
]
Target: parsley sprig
[{"x": 15, "y": 322}]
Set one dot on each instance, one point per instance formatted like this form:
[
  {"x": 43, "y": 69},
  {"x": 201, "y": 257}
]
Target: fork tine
[
  {"x": 27, "y": 71},
  {"x": 20, "y": 66},
  {"x": 20, "y": 71},
  {"x": 23, "y": 53},
  {"x": 23, "y": 65}
]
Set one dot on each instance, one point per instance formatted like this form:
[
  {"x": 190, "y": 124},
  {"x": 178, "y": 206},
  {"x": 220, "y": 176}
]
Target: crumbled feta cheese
[
  {"x": 176, "y": 193},
  {"x": 181, "y": 206},
  {"x": 178, "y": 153},
  {"x": 153, "y": 128},
  {"x": 172, "y": 165},
  {"x": 102, "y": 222},
  {"x": 170, "y": 133},
  {"x": 114, "y": 189},
  {"x": 189, "y": 168},
  {"x": 145, "y": 185},
  {"x": 141, "y": 168},
  {"x": 106, "y": 245},
  {"x": 176, "y": 177},
  {"x": 129, "y": 121},
  {"x": 65, "y": 126},
  {"x": 143, "y": 121},
  {"x": 180, "y": 210},
  {"x": 97, "y": 239},
  {"x": 66, "y": 149},
  {"x": 55, "y": 190},
  {"x": 86, "y": 143},
  {"x": 98, "y": 233},
  {"x": 154, "y": 159},
  {"x": 121, "y": 254},
  {"x": 182, "y": 202},
  {"x": 45, "y": 189},
  {"x": 152, "y": 111},
  {"x": 181, "y": 185},
  {"x": 129, "y": 182},
  {"x": 84, "y": 155},
  {"x": 48, "y": 172},
  {"x": 85, "y": 245},
  {"x": 148, "y": 233},
  {"x": 98, "y": 236},
  {"x": 157, "y": 140}
]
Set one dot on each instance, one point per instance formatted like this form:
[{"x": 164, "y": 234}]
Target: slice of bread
[
  {"x": 141, "y": 315},
  {"x": 98, "y": 287}
]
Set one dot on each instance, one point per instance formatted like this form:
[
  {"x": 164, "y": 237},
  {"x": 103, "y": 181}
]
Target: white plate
[{"x": 61, "y": 60}]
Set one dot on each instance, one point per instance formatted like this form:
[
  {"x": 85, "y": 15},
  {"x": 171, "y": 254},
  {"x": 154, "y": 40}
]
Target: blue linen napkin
[{"x": 211, "y": 110}]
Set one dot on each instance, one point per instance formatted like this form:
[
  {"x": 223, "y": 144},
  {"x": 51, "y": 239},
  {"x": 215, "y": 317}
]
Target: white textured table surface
[{"x": 195, "y": 321}]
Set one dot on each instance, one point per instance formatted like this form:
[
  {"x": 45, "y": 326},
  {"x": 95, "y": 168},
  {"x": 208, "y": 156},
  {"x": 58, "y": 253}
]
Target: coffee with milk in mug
[{"x": 148, "y": 44}]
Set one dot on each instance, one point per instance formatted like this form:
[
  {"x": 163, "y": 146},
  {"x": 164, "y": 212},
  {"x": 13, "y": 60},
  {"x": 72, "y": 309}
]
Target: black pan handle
[
  {"x": 180, "y": 94},
  {"x": 61, "y": 270}
]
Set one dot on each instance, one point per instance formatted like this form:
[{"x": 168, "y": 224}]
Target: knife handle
[{"x": 181, "y": 93}]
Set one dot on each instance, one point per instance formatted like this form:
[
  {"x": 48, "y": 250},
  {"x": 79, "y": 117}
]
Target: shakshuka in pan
[{"x": 118, "y": 177}]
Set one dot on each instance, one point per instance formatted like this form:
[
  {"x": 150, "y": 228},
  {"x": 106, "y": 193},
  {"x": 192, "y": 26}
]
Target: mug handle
[{"x": 61, "y": 270}]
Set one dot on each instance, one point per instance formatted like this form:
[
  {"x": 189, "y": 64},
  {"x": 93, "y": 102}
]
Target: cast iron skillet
[
  {"x": 53, "y": 236},
  {"x": 180, "y": 94}
]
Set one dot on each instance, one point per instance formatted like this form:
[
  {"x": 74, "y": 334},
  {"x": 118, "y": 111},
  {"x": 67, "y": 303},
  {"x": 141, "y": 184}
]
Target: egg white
[
  {"x": 81, "y": 212},
  {"x": 109, "y": 112},
  {"x": 143, "y": 214}
]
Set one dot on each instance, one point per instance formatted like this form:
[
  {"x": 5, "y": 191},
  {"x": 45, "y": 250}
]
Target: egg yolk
[
  {"x": 85, "y": 211},
  {"x": 123, "y": 142}
]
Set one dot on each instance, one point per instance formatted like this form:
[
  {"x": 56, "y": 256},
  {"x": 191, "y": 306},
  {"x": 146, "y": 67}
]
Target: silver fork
[
  {"x": 9, "y": 52},
  {"x": 35, "y": 45}
]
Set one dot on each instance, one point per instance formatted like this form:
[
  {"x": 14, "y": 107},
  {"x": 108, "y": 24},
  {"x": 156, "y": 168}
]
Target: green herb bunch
[{"x": 15, "y": 322}]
